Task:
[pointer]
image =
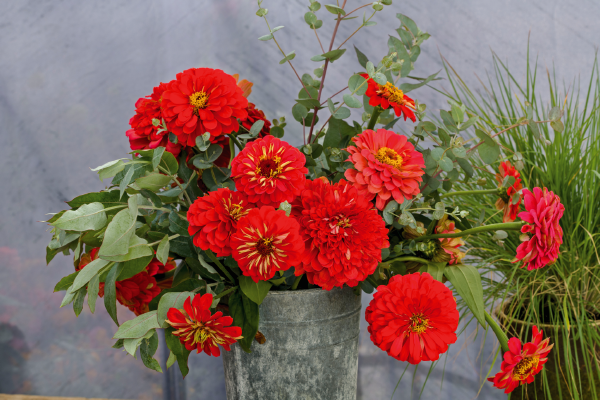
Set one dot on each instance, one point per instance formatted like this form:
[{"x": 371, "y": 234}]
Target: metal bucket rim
[{"x": 302, "y": 291}]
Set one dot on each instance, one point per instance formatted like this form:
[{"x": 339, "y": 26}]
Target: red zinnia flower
[
  {"x": 521, "y": 364},
  {"x": 414, "y": 318},
  {"x": 505, "y": 202},
  {"x": 269, "y": 171},
  {"x": 213, "y": 219},
  {"x": 198, "y": 329},
  {"x": 266, "y": 241},
  {"x": 156, "y": 267},
  {"x": 387, "y": 166},
  {"x": 389, "y": 95},
  {"x": 544, "y": 210},
  {"x": 450, "y": 246},
  {"x": 143, "y": 134},
  {"x": 254, "y": 114},
  {"x": 203, "y": 100},
  {"x": 343, "y": 235}
]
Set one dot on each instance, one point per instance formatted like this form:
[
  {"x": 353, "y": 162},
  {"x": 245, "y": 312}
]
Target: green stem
[
  {"x": 408, "y": 258},
  {"x": 509, "y": 226},
  {"x": 376, "y": 112},
  {"x": 372, "y": 282},
  {"x": 296, "y": 282},
  {"x": 226, "y": 292},
  {"x": 212, "y": 256},
  {"x": 463, "y": 192},
  {"x": 231, "y": 153},
  {"x": 153, "y": 208},
  {"x": 502, "y": 338},
  {"x": 236, "y": 141}
]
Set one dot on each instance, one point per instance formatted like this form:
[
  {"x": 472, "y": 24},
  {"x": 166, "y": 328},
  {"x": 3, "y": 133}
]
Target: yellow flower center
[
  {"x": 236, "y": 211},
  {"x": 264, "y": 246},
  {"x": 390, "y": 157},
  {"x": 525, "y": 367},
  {"x": 199, "y": 100},
  {"x": 392, "y": 93},
  {"x": 269, "y": 167},
  {"x": 418, "y": 323}
]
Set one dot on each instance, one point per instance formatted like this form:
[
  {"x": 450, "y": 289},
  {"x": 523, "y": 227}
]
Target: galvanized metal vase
[{"x": 311, "y": 349}]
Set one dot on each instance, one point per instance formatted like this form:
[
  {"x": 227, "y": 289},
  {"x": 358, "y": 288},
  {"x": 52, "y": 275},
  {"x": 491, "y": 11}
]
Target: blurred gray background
[{"x": 70, "y": 73}]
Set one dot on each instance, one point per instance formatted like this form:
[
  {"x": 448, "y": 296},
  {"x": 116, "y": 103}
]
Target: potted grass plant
[{"x": 563, "y": 299}]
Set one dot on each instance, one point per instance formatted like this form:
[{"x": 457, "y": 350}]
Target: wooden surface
[{"x": 27, "y": 397}]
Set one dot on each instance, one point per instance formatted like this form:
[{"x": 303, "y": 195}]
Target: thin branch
[
  {"x": 358, "y": 29},
  {"x": 356, "y": 9},
  {"x": 317, "y": 35},
  {"x": 333, "y": 95}
]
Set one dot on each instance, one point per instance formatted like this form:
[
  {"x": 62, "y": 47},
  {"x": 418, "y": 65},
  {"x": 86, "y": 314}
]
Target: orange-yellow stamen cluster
[
  {"x": 269, "y": 167},
  {"x": 199, "y": 100},
  {"x": 198, "y": 333},
  {"x": 418, "y": 323},
  {"x": 393, "y": 94},
  {"x": 390, "y": 157},
  {"x": 525, "y": 367},
  {"x": 236, "y": 211}
]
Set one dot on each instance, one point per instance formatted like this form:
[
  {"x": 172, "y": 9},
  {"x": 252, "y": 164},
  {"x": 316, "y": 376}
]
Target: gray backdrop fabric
[{"x": 70, "y": 73}]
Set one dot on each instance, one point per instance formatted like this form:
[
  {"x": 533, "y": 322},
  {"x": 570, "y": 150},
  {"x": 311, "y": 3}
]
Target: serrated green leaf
[{"x": 467, "y": 282}]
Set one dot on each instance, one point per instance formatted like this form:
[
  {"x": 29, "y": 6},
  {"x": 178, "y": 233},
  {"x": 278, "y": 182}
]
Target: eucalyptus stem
[
  {"x": 502, "y": 338},
  {"x": 509, "y": 226},
  {"x": 212, "y": 256},
  {"x": 296, "y": 282},
  {"x": 376, "y": 112},
  {"x": 464, "y": 192}
]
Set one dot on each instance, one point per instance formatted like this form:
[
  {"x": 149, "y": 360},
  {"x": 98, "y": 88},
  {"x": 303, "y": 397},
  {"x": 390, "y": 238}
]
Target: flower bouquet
[{"x": 213, "y": 211}]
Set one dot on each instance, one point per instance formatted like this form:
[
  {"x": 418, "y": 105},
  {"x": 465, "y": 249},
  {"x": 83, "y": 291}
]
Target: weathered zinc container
[{"x": 311, "y": 349}]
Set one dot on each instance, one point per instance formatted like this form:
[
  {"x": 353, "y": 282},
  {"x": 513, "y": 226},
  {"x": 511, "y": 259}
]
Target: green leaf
[
  {"x": 88, "y": 272},
  {"x": 466, "y": 166},
  {"x": 555, "y": 113},
  {"x": 138, "y": 248},
  {"x": 310, "y": 18},
  {"x": 331, "y": 55},
  {"x": 171, "y": 360},
  {"x": 467, "y": 283},
  {"x": 308, "y": 103},
  {"x": 256, "y": 128},
  {"x": 66, "y": 282},
  {"x": 470, "y": 122},
  {"x": 388, "y": 211},
  {"x": 162, "y": 253},
  {"x": 93, "y": 289},
  {"x": 178, "y": 225},
  {"x": 156, "y": 156},
  {"x": 459, "y": 152},
  {"x": 168, "y": 301},
  {"x": 436, "y": 270},
  {"x": 266, "y": 37},
  {"x": 277, "y": 131},
  {"x": 152, "y": 197},
  {"x": 342, "y": 113},
  {"x": 407, "y": 87},
  {"x": 135, "y": 266},
  {"x": 188, "y": 285},
  {"x": 558, "y": 126},
  {"x": 256, "y": 291},
  {"x": 354, "y": 84},
  {"x": 153, "y": 181},
  {"x": 138, "y": 326},
  {"x": 68, "y": 297},
  {"x": 182, "y": 246},
  {"x": 109, "y": 169},
  {"x": 110, "y": 292},
  {"x": 78, "y": 301},
  {"x": 352, "y": 102},
  {"x": 175, "y": 345},
  {"x": 457, "y": 114},
  {"x": 409, "y": 23},
  {"x": 126, "y": 179},
  {"x": 362, "y": 59},
  {"x": 380, "y": 78},
  {"x": 335, "y": 9},
  {"x": 169, "y": 163},
  {"x": 131, "y": 345},
  {"x": 118, "y": 234},
  {"x": 87, "y": 217},
  {"x": 147, "y": 350},
  {"x": 314, "y": 93},
  {"x": 106, "y": 198},
  {"x": 299, "y": 112},
  {"x": 245, "y": 314},
  {"x": 488, "y": 154},
  {"x": 446, "y": 164}
]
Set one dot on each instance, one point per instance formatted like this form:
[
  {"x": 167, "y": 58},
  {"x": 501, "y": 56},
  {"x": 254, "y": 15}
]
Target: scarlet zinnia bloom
[
  {"x": 413, "y": 318},
  {"x": 254, "y": 114},
  {"x": 198, "y": 329},
  {"x": 450, "y": 246},
  {"x": 213, "y": 219},
  {"x": 203, "y": 100},
  {"x": 156, "y": 267},
  {"x": 266, "y": 241},
  {"x": 522, "y": 363},
  {"x": 342, "y": 233},
  {"x": 389, "y": 95},
  {"x": 269, "y": 171},
  {"x": 143, "y": 134},
  {"x": 386, "y": 165},
  {"x": 504, "y": 202},
  {"x": 544, "y": 211}
]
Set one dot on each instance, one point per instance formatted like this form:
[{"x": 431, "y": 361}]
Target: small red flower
[
  {"x": 203, "y": 100},
  {"x": 389, "y": 95},
  {"x": 266, "y": 241},
  {"x": 214, "y": 218},
  {"x": 198, "y": 329},
  {"x": 386, "y": 165},
  {"x": 413, "y": 318},
  {"x": 522, "y": 363},
  {"x": 143, "y": 134},
  {"x": 450, "y": 246},
  {"x": 505, "y": 201},
  {"x": 343, "y": 235},
  {"x": 269, "y": 171},
  {"x": 254, "y": 114},
  {"x": 543, "y": 212},
  {"x": 156, "y": 267}
]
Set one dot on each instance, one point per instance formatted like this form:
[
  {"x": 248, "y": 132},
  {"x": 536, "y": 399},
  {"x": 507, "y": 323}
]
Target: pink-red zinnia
[
  {"x": 542, "y": 216},
  {"x": 505, "y": 201},
  {"x": 522, "y": 363}
]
